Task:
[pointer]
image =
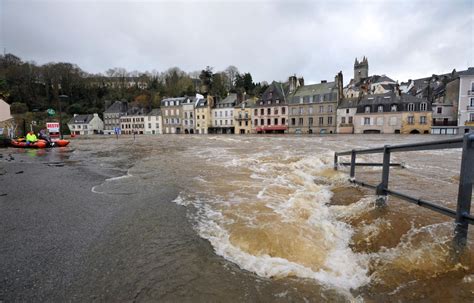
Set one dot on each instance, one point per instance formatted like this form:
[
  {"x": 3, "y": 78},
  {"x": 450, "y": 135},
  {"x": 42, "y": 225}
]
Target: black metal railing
[{"x": 461, "y": 215}]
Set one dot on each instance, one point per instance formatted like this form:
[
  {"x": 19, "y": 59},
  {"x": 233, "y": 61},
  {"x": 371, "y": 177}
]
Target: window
[
  {"x": 422, "y": 119},
  {"x": 149, "y": 125},
  {"x": 350, "y": 120},
  {"x": 423, "y": 106},
  {"x": 471, "y": 117},
  {"x": 321, "y": 121},
  {"x": 366, "y": 121},
  {"x": 380, "y": 121},
  {"x": 283, "y": 110},
  {"x": 300, "y": 121},
  {"x": 255, "y": 112},
  {"x": 262, "y": 111},
  {"x": 439, "y": 110},
  {"x": 310, "y": 121},
  {"x": 275, "y": 122},
  {"x": 321, "y": 109},
  {"x": 269, "y": 122},
  {"x": 262, "y": 122},
  {"x": 329, "y": 120},
  {"x": 367, "y": 109},
  {"x": 166, "y": 112},
  {"x": 269, "y": 102},
  {"x": 283, "y": 121},
  {"x": 157, "y": 125},
  {"x": 411, "y": 107},
  {"x": 269, "y": 111},
  {"x": 329, "y": 108},
  {"x": 411, "y": 120},
  {"x": 255, "y": 122},
  {"x": 215, "y": 122},
  {"x": 220, "y": 114},
  {"x": 347, "y": 110},
  {"x": 380, "y": 108},
  {"x": 301, "y": 110},
  {"x": 293, "y": 121},
  {"x": 225, "y": 113},
  {"x": 471, "y": 102},
  {"x": 343, "y": 120},
  {"x": 277, "y": 101},
  {"x": 310, "y": 110},
  {"x": 293, "y": 110},
  {"x": 275, "y": 111},
  {"x": 393, "y": 121},
  {"x": 220, "y": 122}
]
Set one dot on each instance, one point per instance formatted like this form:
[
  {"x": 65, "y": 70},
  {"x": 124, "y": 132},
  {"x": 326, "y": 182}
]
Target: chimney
[
  {"x": 292, "y": 80},
  {"x": 324, "y": 81},
  {"x": 301, "y": 81}
]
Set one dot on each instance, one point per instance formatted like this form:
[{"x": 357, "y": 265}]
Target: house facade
[
  {"x": 203, "y": 115},
  {"x": 85, "y": 124},
  {"x": 271, "y": 110},
  {"x": 346, "y": 112},
  {"x": 223, "y": 115},
  {"x": 393, "y": 113},
  {"x": 153, "y": 123},
  {"x": 112, "y": 116},
  {"x": 172, "y": 115},
  {"x": 243, "y": 117},
  {"x": 7, "y": 124},
  {"x": 312, "y": 108},
  {"x": 188, "y": 115},
  {"x": 466, "y": 101}
]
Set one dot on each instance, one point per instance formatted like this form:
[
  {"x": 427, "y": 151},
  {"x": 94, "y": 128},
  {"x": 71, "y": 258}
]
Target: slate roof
[
  {"x": 248, "y": 103},
  {"x": 321, "y": 92},
  {"x": 468, "y": 72},
  {"x": 348, "y": 103},
  {"x": 388, "y": 99},
  {"x": 154, "y": 112},
  {"x": 231, "y": 99},
  {"x": 275, "y": 91},
  {"x": 201, "y": 103},
  {"x": 81, "y": 119},
  {"x": 116, "y": 107},
  {"x": 180, "y": 99}
]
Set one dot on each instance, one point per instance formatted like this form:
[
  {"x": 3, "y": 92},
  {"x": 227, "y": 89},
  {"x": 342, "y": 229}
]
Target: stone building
[
  {"x": 243, "y": 116},
  {"x": 271, "y": 110},
  {"x": 222, "y": 115},
  {"x": 133, "y": 121},
  {"x": 312, "y": 108},
  {"x": 172, "y": 115},
  {"x": 112, "y": 116}
]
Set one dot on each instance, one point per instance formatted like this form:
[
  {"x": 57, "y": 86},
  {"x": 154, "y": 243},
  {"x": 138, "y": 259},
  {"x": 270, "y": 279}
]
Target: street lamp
[{"x": 61, "y": 97}]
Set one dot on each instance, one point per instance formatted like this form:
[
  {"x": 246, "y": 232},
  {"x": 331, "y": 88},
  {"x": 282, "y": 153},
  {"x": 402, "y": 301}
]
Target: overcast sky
[{"x": 270, "y": 39}]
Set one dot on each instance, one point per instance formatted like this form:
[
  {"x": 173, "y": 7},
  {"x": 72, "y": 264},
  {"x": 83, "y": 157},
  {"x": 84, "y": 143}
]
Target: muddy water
[{"x": 274, "y": 209}]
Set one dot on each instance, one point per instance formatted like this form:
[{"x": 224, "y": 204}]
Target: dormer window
[
  {"x": 367, "y": 109},
  {"x": 423, "y": 106},
  {"x": 393, "y": 108},
  {"x": 380, "y": 108},
  {"x": 277, "y": 101},
  {"x": 411, "y": 107}
]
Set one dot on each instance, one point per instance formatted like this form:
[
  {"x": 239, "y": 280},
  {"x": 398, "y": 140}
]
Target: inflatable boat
[{"x": 38, "y": 144}]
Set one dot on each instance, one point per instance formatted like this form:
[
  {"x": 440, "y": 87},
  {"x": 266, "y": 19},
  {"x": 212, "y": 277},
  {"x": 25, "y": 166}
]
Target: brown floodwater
[{"x": 275, "y": 210}]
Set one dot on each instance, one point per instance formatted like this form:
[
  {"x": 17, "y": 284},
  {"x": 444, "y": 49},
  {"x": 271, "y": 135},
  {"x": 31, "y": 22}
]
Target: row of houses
[{"x": 440, "y": 104}]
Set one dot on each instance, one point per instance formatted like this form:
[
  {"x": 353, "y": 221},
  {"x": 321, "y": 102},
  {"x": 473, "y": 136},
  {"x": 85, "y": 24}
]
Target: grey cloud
[{"x": 270, "y": 39}]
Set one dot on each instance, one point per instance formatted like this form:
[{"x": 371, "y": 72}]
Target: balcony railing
[
  {"x": 469, "y": 123},
  {"x": 470, "y": 92}
]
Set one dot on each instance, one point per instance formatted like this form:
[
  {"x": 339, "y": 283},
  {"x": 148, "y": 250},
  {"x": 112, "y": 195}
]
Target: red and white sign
[{"x": 53, "y": 128}]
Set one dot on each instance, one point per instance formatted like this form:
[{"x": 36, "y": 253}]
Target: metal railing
[{"x": 461, "y": 215}]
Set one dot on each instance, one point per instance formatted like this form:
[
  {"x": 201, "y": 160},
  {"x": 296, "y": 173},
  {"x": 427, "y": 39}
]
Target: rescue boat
[{"x": 24, "y": 144}]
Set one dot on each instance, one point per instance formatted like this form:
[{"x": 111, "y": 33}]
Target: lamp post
[{"x": 61, "y": 97}]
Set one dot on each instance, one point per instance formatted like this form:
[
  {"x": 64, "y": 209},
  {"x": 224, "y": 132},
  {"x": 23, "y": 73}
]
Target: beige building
[
  {"x": 203, "y": 115},
  {"x": 392, "y": 113},
  {"x": 243, "y": 117},
  {"x": 153, "y": 123},
  {"x": 6, "y": 119}
]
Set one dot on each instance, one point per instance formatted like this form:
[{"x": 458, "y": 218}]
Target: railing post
[
  {"x": 335, "y": 161},
  {"x": 465, "y": 190},
  {"x": 381, "y": 188},
  {"x": 353, "y": 164}
]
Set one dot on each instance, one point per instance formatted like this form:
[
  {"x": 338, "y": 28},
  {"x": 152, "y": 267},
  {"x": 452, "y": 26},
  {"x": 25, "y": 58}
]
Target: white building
[
  {"x": 466, "y": 101},
  {"x": 223, "y": 115},
  {"x": 345, "y": 116},
  {"x": 86, "y": 124},
  {"x": 6, "y": 119},
  {"x": 153, "y": 123}
]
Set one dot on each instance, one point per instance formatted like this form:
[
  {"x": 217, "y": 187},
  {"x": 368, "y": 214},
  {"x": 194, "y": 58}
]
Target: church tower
[{"x": 361, "y": 69}]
